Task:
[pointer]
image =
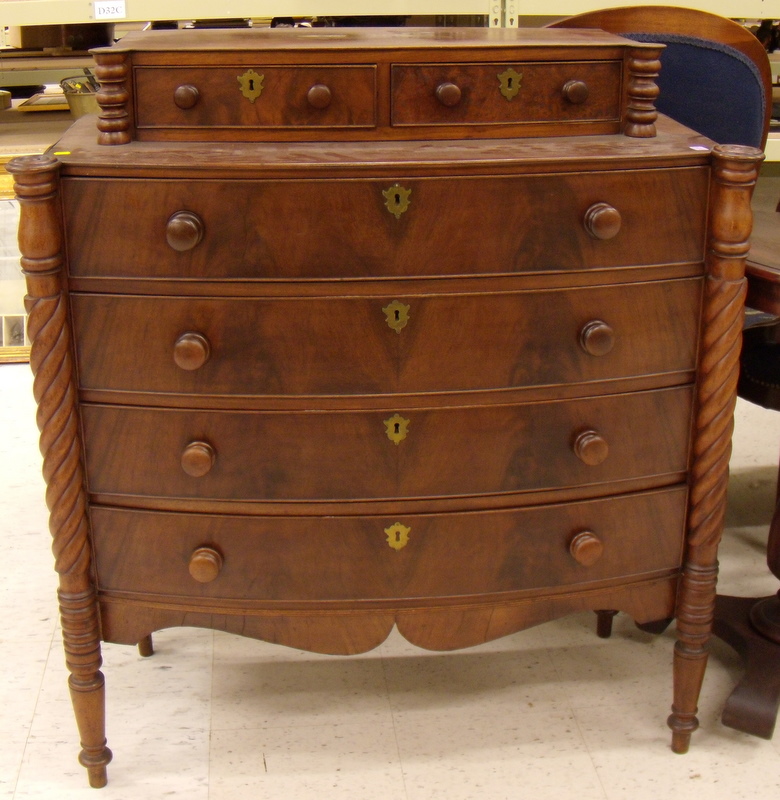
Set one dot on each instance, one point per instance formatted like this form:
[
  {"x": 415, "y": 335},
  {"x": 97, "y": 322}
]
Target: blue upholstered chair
[
  {"x": 715, "y": 75},
  {"x": 712, "y": 88}
]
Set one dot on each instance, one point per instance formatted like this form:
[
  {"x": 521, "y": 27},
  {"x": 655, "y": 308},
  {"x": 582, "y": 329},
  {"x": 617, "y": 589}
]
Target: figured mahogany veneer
[
  {"x": 336, "y": 345},
  {"x": 280, "y": 559},
  {"x": 348, "y": 454},
  {"x": 525, "y": 223},
  {"x": 395, "y": 84},
  {"x": 397, "y": 367}
]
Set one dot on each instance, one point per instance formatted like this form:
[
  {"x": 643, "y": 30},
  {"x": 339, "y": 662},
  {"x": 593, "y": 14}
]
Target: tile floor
[{"x": 553, "y": 712}]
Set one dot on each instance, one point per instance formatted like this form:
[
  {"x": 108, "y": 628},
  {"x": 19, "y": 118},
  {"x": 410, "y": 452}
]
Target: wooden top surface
[
  {"x": 334, "y": 39},
  {"x": 675, "y": 145}
]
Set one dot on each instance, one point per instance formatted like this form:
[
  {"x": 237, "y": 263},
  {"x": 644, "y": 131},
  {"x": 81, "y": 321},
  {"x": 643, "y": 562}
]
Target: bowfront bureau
[{"x": 335, "y": 331}]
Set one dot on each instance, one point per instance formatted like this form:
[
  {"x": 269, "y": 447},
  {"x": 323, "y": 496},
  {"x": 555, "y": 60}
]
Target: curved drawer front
[
  {"x": 391, "y": 228},
  {"x": 302, "y": 559},
  {"x": 446, "y": 94},
  {"x": 256, "y": 97},
  {"x": 385, "y": 454},
  {"x": 386, "y": 345}
]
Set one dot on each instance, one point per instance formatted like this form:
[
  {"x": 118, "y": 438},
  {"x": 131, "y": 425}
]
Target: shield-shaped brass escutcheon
[
  {"x": 397, "y": 315},
  {"x": 251, "y": 85},
  {"x": 510, "y": 82},
  {"x": 397, "y": 199},
  {"x": 396, "y": 428},
  {"x": 398, "y": 535}
]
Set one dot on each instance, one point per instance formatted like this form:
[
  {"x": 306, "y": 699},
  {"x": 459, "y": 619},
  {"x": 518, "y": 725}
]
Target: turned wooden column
[
  {"x": 734, "y": 173},
  {"x": 644, "y": 66},
  {"x": 112, "y": 69},
  {"x": 51, "y": 359}
]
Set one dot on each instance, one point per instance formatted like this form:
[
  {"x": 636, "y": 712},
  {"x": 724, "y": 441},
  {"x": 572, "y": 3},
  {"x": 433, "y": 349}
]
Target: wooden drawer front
[
  {"x": 342, "y": 346},
  {"x": 291, "y": 97},
  {"x": 302, "y": 559},
  {"x": 383, "y": 454},
  {"x": 329, "y": 229},
  {"x": 446, "y": 94}
]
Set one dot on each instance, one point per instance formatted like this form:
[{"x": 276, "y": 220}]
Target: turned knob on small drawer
[
  {"x": 184, "y": 230},
  {"x": 205, "y": 564},
  {"x": 198, "y": 458},
  {"x": 591, "y": 448},
  {"x": 448, "y": 94},
  {"x": 186, "y": 96},
  {"x": 191, "y": 351},
  {"x": 597, "y": 338},
  {"x": 602, "y": 221},
  {"x": 575, "y": 92},
  {"x": 319, "y": 96},
  {"x": 586, "y": 548}
]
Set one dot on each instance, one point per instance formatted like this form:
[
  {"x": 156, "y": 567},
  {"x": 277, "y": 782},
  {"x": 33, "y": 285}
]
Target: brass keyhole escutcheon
[
  {"x": 397, "y": 315},
  {"x": 398, "y": 536},
  {"x": 396, "y": 428},
  {"x": 251, "y": 85},
  {"x": 397, "y": 199},
  {"x": 510, "y": 82}
]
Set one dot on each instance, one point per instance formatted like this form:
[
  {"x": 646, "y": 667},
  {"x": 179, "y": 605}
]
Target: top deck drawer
[
  {"x": 262, "y": 97},
  {"x": 471, "y": 94}
]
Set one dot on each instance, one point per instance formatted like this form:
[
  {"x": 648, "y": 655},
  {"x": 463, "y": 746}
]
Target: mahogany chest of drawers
[{"x": 341, "y": 330}]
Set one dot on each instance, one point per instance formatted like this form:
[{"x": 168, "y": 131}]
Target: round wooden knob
[
  {"x": 205, "y": 564},
  {"x": 448, "y": 94},
  {"x": 597, "y": 338},
  {"x": 198, "y": 458},
  {"x": 591, "y": 448},
  {"x": 191, "y": 351},
  {"x": 602, "y": 221},
  {"x": 319, "y": 96},
  {"x": 575, "y": 92},
  {"x": 586, "y": 548},
  {"x": 184, "y": 230},
  {"x": 186, "y": 96}
]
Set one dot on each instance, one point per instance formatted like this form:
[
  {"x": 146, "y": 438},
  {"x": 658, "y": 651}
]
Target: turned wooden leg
[
  {"x": 694, "y": 624},
  {"x": 657, "y": 627},
  {"x": 146, "y": 646},
  {"x": 51, "y": 360},
  {"x": 604, "y": 619},
  {"x": 80, "y": 637},
  {"x": 734, "y": 172}
]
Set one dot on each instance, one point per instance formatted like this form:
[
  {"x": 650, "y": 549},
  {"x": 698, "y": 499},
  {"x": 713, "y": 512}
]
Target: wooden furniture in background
[
  {"x": 752, "y": 625},
  {"x": 454, "y": 348}
]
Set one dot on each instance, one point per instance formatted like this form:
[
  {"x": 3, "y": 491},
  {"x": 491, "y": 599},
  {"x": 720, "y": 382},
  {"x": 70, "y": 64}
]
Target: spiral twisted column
[
  {"x": 734, "y": 173},
  {"x": 40, "y": 242}
]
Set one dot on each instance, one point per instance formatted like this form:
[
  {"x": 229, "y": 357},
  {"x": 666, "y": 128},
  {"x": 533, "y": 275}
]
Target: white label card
[{"x": 109, "y": 9}]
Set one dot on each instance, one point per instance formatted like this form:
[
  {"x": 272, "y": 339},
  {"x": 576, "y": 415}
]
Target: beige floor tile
[
  {"x": 634, "y": 761},
  {"x": 257, "y": 685},
  {"x": 479, "y": 683},
  {"x": 155, "y": 763},
  {"x": 517, "y": 754},
  {"x": 11, "y": 755},
  {"x": 170, "y": 689},
  {"x": 24, "y": 665},
  {"x": 346, "y": 761}
]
